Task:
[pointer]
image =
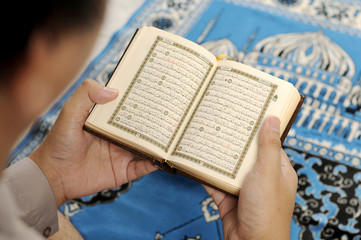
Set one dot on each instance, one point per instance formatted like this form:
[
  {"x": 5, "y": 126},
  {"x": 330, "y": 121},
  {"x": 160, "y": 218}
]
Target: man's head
[{"x": 44, "y": 43}]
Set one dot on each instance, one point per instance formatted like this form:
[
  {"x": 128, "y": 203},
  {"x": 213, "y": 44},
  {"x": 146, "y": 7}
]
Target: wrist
[{"x": 51, "y": 174}]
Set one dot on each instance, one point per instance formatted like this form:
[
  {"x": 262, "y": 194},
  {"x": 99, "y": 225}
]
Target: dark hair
[{"x": 20, "y": 19}]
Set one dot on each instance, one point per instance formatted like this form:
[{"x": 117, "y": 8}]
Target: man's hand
[
  {"x": 266, "y": 201},
  {"x": 77, "y": 163}
]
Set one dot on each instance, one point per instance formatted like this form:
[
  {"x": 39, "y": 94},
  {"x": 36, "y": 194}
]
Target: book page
[
  {"x": 159, "y": 92},
  {"x": 221, "y": 130},
  {"x": 220, "y": 142}
]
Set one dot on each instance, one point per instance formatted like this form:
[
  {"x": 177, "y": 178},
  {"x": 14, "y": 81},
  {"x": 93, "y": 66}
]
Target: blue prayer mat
[{"x": 314, "y": 44}]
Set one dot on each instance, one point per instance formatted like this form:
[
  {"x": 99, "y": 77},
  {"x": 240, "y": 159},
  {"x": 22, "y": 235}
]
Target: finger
[
  {"x": 88, "y": 93},
  {"x": 215, "y": 194},
  {"x": 103, "y": 95},
  {"x": 269, "y": 147},
  {"x": 224, "y": 202},
  {"x": 139, "y": 168}
]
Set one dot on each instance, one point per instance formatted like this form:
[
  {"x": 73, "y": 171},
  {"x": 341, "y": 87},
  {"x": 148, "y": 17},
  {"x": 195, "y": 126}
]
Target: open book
[{"x": 189, "y": 112}]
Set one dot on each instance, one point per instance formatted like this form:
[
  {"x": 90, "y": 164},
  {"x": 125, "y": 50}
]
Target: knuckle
[
  {"x": 294, "y": 176},
  {"x": 87, "y": 83},
  {"x": 274, "y": 142},
  {"x": 270, "y": 139}
]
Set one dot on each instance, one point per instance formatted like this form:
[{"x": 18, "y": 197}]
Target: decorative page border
[
  {"x": 119, "y": 106},
  {"x": 251, "y": 136}
]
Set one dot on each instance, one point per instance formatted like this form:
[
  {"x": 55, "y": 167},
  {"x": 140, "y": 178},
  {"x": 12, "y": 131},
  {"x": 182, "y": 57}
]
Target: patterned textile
[{"x": 316, "y": 45}]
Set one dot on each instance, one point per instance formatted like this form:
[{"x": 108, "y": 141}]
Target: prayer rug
[{"x": 314, "y": 44}]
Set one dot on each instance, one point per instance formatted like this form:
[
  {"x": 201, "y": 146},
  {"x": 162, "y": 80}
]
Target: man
[{"x": 44, "y": 44}]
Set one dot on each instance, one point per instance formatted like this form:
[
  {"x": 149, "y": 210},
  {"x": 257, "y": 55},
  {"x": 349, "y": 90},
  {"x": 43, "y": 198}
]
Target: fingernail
[
  {"x": 274, "y": 124},
  {"x": 110, "y": 91}
]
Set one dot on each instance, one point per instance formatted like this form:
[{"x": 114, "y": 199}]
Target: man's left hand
[{"x": 77, "y": 163}]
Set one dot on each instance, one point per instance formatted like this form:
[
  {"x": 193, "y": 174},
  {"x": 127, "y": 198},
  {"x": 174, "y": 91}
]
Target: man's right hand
[{"x": 267, "y": 198}]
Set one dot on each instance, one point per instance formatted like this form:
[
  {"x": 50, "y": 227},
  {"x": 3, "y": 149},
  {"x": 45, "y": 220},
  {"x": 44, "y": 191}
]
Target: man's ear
[{"x": 29, "y": 83}]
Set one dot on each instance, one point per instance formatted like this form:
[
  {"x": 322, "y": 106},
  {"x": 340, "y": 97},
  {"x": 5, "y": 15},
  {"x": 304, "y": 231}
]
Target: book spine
[
  {"x": 293, "y": 118},
  {"x": 166, "y": 166},
  {"x": 126, "y": 49}
]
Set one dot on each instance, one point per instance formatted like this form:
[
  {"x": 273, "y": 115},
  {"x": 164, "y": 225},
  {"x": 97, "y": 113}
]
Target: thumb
[
  {"x": 88, "y": 93},
  {"x": 269, "y": 151}
]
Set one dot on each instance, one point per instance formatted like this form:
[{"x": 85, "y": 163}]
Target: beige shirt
[{"x": 27, "y": 204}]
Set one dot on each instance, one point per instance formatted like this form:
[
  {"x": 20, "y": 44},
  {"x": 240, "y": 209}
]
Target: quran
[{"x": 189, "y": 111}]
